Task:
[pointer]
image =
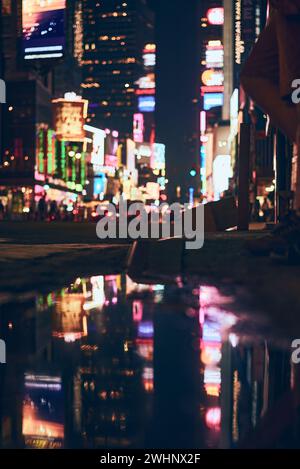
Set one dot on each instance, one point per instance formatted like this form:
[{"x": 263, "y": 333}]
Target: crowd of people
[{"x": 43, "y": 210}]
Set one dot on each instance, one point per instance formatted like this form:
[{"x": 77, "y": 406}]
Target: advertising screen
[
  {"x": 43, "y": 28},
  {"x": 214, "y": 55},
  {"x": 43, "y": 411},
  {"x": 138, "y": 128},
  {"x": 146, "y": 103},
  {"x": 159, "y": 156},
  {"x": 215, "y": 16},
  {"x": 69, "y": 117},
  {"x": 111, "y": 149},
  {"x": 98, "y": 144},
  {"x": 212, "y": 100}
]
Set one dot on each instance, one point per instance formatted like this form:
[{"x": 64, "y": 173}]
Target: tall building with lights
[
  {"x": 213, "y": 130},
  {"x": 212, "y": 59},
  {"x": 244, "y": 21},
  {"x": 41, "y": 43},
  {"x": 114, "y": 37}
]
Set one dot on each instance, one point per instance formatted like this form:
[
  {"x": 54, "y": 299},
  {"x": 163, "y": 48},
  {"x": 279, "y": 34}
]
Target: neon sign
[{"x": 215, "y": 16}]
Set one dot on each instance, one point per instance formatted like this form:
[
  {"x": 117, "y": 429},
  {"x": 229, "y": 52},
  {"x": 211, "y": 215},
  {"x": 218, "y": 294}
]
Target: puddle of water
[{"x": 110, "y": 363}]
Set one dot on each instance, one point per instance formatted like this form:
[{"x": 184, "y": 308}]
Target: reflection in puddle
[{"x": 110, "y": 363}]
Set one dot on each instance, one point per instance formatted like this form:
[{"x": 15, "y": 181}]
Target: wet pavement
[{"x": 110, "y": 363}]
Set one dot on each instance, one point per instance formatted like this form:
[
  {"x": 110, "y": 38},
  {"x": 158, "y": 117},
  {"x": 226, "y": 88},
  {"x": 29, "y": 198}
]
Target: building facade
[
  {"x": 38, "y": 68},
  {"x": 114, "y": 36}
]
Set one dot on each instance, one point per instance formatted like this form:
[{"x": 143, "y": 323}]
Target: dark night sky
[{"x": 151, "y": 3}]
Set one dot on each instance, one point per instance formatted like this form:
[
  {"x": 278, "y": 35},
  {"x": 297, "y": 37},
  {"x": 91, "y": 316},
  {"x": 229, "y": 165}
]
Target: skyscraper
[
  {"x": 212, "y": 59},
  {"x": 39, "y": 42},
  {"x": 114, "y": 36}
]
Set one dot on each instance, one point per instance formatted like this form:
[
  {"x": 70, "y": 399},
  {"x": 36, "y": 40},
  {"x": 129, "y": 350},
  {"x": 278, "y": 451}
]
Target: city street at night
[{"x": 149, "y": 232}]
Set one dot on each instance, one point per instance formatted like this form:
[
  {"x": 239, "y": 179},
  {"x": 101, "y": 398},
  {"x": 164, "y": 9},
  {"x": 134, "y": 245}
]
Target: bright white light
[
  {"x": 43, "y": 56},
  {"x": 43, "y": 49},
  {"x": 215, "y": 16}
]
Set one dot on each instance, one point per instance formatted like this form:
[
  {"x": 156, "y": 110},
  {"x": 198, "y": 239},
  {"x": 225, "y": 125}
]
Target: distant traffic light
[{"x": 193, "y": 172}]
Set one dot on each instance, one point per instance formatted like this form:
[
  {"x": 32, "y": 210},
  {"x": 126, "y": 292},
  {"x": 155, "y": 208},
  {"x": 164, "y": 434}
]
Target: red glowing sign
[
  {"x": 137, "y": 311},
  {"x": 211, "y": 89},
  {"x": 213, "y": 418},
  {"x": 149, "y": 92},
  {"x": 215, "y": 16}
]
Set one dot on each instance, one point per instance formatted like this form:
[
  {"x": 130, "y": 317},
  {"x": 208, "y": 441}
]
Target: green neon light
[
  {"x": 51, "y": 164},
  {"x": 73, "y": 169},
  {"x": 63, "y": 160},
  {"x": 41, "y": 166},
  {"x": 83, "y": 171}
]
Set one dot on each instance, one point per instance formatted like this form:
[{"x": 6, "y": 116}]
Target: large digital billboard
[
  {"x": 43, "y": 28},
  {"x": 212, "y": 100},
  {"x": 146, "y": 103},
  {"x": 111, "y": 148},
  {"x": 69, "y": 114},
  {"x": 43, "y": 412},
  {"x": 98, "y": 144}
]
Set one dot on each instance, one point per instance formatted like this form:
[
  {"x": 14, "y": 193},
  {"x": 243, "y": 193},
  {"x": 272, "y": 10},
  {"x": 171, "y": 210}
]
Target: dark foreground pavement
[{"x": 48, "y": 233}]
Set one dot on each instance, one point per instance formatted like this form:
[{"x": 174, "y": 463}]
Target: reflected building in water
[{"x": 110, "y": 363}]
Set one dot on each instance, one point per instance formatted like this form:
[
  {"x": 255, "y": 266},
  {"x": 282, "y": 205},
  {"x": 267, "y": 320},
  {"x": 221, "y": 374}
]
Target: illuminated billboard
[
  {"x": 98, "y": 144},
  {"x": 222, "y": 172},
  {"x": 214, "y": 55},
  {"x": 43, "y": 412},
  {"x": 146, "y": 85},
  {"x": 143, "y": 152},
  {"x": 145, "y": 330},
  {"x": 215, "y": 16},
  {"x": 149, "y": 56},
  {"x": 212, "y": 77},
  {"x": 138, "y": 128},
  {"x": 130, "y": 147},
  {"x": 43, "y": 28},
  {"x": 146, "y": 82},
  {"x": 212, "y": 100},
  {"x": 111, "y": 148},
  {"x": 146, "y": 103},
  {"x": 69, "y": 117},
  {"x": 159, "y": 156}
]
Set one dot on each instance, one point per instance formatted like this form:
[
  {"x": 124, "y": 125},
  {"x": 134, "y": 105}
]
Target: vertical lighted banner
[
  {"x": 130, "y": 151},
  {"x": 43, "y": 28},
  {"x": 40, "y": 155},
  {"x": 138, "y": 128},
  {"x": 63, "y": 161},
  {"x": 203, "y": 168},
  {"x": 111, "y": 148},
  {"x": 51, "y": 152},
  {"x": 246, "y": 26},
  {"x": 82, "y": 171}
]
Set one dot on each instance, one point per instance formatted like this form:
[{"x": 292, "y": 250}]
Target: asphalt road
[{"x": 50, "y": 233}]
